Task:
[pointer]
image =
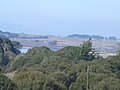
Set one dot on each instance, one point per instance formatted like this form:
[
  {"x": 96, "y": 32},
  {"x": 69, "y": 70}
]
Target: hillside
[
  {"x": 107, "y": 46},
  {"x": 57, "y": 42},
  {"x": 20, "y": 35},
  {"x": 70, "y": 68}
]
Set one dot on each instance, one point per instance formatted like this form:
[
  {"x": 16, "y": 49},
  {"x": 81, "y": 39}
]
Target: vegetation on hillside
[
  {"x": 71, "y": 68},
  {"x": 7, "y": 84}
]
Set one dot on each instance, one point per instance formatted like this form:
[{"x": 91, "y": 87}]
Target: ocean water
[{"x": 25, "y": 49}]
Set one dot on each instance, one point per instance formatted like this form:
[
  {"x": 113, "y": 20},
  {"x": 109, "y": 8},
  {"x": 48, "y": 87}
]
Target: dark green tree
[
  {"x": 87, "y": 52},
  {"x": 8, "y": 51},
  {"x": 7, "y": 84}
]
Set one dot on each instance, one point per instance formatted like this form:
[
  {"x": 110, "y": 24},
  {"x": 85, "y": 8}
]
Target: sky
[{"x": 62, "y": 17}]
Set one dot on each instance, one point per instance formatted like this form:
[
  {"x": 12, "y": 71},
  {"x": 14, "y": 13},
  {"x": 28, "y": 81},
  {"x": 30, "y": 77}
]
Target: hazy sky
[{"x": 63, "y": 17}]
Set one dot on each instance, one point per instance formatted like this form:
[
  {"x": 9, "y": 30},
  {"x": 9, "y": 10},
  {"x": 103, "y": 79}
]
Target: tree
[
  {"x": 87, "y": 52},
  {"x": 8, "y": 51},
  {"x": 17, "y": 45},
  {"x": 7, "y": 84}
]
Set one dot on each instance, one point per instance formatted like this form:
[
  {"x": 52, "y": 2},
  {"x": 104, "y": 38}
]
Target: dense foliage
[
  {"x": 71, "y": 68},
  {"x": 6, "y": 83}
]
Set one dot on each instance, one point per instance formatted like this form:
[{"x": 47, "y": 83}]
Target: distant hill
[
  {"x": 29, "y": 36},
  {"x": 101, "y": 44},
  {"x": 8, "y": 35},
  {"x": 15, "y": 28},
  {"x": 19, "y": 35},
  {"x": 11, "y": 30},
  {"x": 93, "y": 37}
]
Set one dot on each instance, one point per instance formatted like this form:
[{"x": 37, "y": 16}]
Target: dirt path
[{"x": 11, "y": 74}]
